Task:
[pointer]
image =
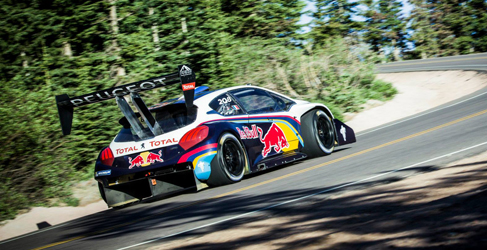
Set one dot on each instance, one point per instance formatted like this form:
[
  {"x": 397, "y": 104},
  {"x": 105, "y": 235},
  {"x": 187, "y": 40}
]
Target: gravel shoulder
[{"x": 417, "y": 92}]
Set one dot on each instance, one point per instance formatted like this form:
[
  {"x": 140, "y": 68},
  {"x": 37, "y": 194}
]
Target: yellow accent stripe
[
  {"x": 272, "y": 180},
  {"x": 195, "y": 161},
  {"x": 451, "y": 60}
]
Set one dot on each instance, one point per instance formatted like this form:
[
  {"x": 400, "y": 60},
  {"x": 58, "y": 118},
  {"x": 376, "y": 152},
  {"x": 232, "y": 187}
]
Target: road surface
[{"x": 476, "y": 62}]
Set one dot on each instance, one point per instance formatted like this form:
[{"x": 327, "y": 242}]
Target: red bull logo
[
  {"x": 246, "y": 133},
  {"x": 145, "y": 159},
  {"x": 137, "y": 162},
  {"x": 153, "y": 157},
  {"x": 274, "y": 138}
]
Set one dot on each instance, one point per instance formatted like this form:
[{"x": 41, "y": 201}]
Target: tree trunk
[
  {"x": 115, "y": 49},
  {"x": 25, "y": 63},
  {"x": 184, "y": 27},
  {"x": 67, "y": 49},
  {"x": 396, "y": 52},
  {"x": 155, "y": 32},
  {"x": 424, "y": 55}
]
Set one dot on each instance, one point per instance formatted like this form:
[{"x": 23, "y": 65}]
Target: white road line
[
  {"x": 482, "y": 66},
  {"x": 303, "y": 197},
  {"x": 438, "y": 59},
  {"x": 414, "y": 117}
]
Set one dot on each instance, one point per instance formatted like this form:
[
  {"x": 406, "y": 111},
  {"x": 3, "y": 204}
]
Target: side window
[
  {"x": 224, "y": 105},
  {"x": 282, "y": 102},
  {"x": 255, "y": 100}
]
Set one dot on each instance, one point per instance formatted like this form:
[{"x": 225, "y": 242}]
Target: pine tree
[
  {"x": 266, "y": 19},
  {"x": 424, "y": 36},
  {"x": 478, "y": 14},
  {"x": 334, "y": 19},
  {"x": 384, "y": 27},
  {"x": 452, "y": 27}
]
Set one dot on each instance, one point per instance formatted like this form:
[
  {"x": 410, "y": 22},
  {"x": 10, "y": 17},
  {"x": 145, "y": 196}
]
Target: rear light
[
  {"x": 107, "y": 157},
  {"x": 193, "y": 137}
]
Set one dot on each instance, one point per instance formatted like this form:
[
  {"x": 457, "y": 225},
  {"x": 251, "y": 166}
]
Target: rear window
[
  {"x": 225, "y": 105},
  {"x": 255, "y": 101},
  {"x": 174, "y": 116},
  {"x": 170, "y": 118}
]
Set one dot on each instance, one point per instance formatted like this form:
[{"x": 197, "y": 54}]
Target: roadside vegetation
[{"x": 76, "y": 47}]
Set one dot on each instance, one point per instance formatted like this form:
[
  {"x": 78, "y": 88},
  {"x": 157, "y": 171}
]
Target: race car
[{"x": 204, "y": 138}]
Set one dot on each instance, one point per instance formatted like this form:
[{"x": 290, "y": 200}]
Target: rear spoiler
[{"x": 185, "y": 76}]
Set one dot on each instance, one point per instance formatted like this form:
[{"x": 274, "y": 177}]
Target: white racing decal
[
  {"x": 343, "y": 131},
  {"x": 185, "y": 71},
  {"x": 225, "y": 109},
  {"x": 224, "y": 100},
  {"x": 118, "y": 91},
  {"x": 148, "y": 145},
  {"x": 201, "y": 165}
]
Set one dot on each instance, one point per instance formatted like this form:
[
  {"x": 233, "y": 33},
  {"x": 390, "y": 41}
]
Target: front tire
[
  {"x": 230, "y": 162},
  {"x": 318, "y": 133}
]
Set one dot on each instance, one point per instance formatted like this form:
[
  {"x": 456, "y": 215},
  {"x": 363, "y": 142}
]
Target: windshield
[{"x": 170, "y": 118}]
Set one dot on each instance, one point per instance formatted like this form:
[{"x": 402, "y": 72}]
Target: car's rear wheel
[
  {"x": 318, "y": 133},
  {"x": 230, "y": 162}
]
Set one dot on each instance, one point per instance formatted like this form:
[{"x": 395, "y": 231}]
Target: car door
[{"x": 277, "y": 131}]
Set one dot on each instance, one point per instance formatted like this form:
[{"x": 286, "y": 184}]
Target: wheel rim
[
  {"x": 233, "y": 159},
  {"x": 324, "y": 133}
]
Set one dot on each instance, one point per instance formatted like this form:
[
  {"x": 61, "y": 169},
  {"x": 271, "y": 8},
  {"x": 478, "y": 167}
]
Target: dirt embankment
[{"x": 417, "y": 92}]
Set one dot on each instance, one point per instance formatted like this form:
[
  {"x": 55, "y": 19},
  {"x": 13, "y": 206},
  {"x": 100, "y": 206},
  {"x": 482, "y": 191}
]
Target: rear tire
[
  {"x": 318, "y": 134},
  {"x": 230, "y": 162}
]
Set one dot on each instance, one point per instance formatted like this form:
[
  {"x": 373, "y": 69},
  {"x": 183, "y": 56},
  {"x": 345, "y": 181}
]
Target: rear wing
[{"x": 185, "y": 75}]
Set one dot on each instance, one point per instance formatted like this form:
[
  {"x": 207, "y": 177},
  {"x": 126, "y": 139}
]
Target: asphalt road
[
  {"x": 476, "y": 62},
  {"x": 402, "y": 148}
]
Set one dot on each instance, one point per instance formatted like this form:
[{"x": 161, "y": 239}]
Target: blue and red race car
[{"x": 205, "y": 138}]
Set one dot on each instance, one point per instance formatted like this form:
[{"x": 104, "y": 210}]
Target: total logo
[
  {"x": 189, "y": 86},
  {"x": 145, "y": 159},
  {"x": 157, "y": 143}
]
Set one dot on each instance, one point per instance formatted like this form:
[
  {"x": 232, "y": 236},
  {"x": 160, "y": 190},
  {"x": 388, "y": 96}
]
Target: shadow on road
[{"x": 393, "y": 216}]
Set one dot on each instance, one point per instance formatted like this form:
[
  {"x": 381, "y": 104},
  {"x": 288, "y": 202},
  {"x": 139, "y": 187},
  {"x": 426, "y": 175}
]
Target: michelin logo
[{"x": 103, "y": 173}]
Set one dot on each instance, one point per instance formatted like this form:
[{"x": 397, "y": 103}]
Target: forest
[{"x": 52, "y": 47}]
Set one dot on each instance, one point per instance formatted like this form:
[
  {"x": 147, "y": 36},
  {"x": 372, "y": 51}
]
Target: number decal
[{"x": 224, "y": 100}]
